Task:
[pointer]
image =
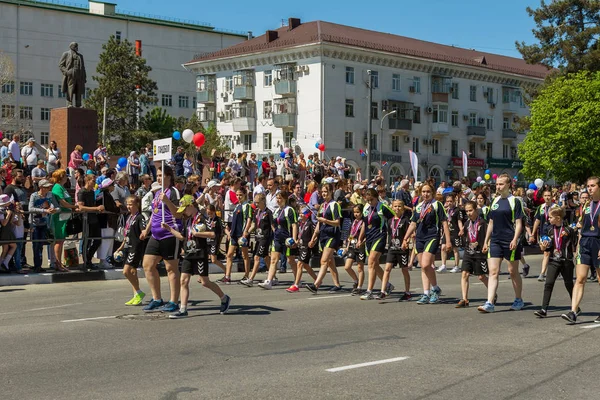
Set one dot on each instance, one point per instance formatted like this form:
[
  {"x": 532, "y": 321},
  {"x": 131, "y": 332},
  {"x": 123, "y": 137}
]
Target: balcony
[
  {"x": 284, "y": 112},
  {"x": 440, "y": 129},
  {"x": 398, "y": 124},
  {"x": 207, "y": 114},
  {"x": 509, "y": 134},
  {"x": 440, "y": 87},
  {"x": 243, "y": 85},
  {"x": 476, "y": 132},
  {"x": 285, "y": 87},
  {"x": 244, "y": 117},
  {"x": 206, "y": 88}
]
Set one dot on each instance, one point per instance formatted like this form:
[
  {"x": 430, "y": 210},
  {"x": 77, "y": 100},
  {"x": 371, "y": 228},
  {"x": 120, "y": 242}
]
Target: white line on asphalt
[
  {"x": 367, "y": 364},
  {"x": 591, "y": 326},
  {"x": 329, "y": 297},
  {"x": 48, "y": 308},
  {"x": 88, "y": 319}
]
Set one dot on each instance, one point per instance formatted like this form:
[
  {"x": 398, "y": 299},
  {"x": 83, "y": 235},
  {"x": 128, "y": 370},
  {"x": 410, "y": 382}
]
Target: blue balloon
[
  {"x": 282, "y": 154},
  {"x": 86, "y": 157},
  {"x": 487, "y": 171},
  {"x": 317, "y": 145},
  {"x": 177, "y": 135},
  {"x": 122, "y": 162},
  {"x": 532, "y": 186}
]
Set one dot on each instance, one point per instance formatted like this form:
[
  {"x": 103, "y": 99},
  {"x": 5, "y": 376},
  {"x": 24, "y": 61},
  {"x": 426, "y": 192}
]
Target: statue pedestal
[{"x": 71, "y": 126}]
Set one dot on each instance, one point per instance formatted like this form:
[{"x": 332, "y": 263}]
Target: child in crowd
[{"x": 6, "y": 233}]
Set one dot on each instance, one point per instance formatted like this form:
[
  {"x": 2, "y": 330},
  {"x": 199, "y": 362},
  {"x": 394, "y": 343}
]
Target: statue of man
[{"x": 73, "y": 69}]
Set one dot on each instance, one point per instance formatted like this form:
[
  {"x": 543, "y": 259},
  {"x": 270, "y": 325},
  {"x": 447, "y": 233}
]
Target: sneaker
[
  {"x": 356, "y": 291},
  {"x": 487, "y": 308},
  {"x": 275, "y": 282},
  {"x": 367, "y": 296},
  {"x": 292, "y": 289},
  {"x": 178, "y": 315},
  {"x": 434, "y": 297},
  {"x": 136, "y": 300},
  {"x": 525, "y": 270},
  {"x": 579, "y": 312},
  {"x": 225, "y": 304},
  {"x": 438, "y": 290},
  {"x": 541, "y": 278},
  {"x": 455, "y": 270},
  {"x": 221, "y": 280},
  {"x": 389, "y": 288},
  {"x": 571, "y": 317},
  {"x": 169, "y": 307},
  {"x": 381, "y": 296},
  {"x": 154, "y": 306},
  {"x": 266, "y": 285},
  {"x": 517, "y": 305},
  {"x": 311, "y": 288},
  {"x": 335, "y": 289},
  {"x": 594, "y": 278},
  {"x": 424, "y": 299},
  {"x": 442, "y": 269},
  {"x": 243, "y": 280},
  {"x": 462, "y": 304},
  {"x": 105, "y": 265},
  {"x": 405, "y": 297},
  {"x": 282, "y": 270},
  {"x": 248, "y": 282},
  {"x": 540, "y": 313}
]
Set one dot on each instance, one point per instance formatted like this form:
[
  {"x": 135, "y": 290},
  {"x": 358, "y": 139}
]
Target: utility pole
[{"x": 369, "y": 125}]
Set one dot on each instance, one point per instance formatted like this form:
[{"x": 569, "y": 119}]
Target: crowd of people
[{"x": 270, "y": 214}]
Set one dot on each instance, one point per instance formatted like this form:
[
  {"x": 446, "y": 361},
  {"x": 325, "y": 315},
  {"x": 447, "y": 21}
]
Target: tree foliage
[
  {"x": 565, "y": 129},
  {"x": 158, "y": 121},
  {"x": 568, "y": 32},
  {"x": 212, "y": 138},
  {"x": 7, "y": 76}
]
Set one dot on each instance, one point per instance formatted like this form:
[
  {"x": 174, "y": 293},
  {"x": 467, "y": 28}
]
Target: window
[
  {"x": 440, "y": 114},
  {"x": 194, "y": 103},
  {"x": 349, "y": 140},
  {"x": 490, "y": 150},
  {"x": 268, "y": 78},
  {"x": 454, "y": 118},
  {"x": 455, "y": 90},
  {"x": 8, "y": 87},
  {"x": 8, "y": 111},
  {"x": 349, "y": 108},
  {"x": 374, "y": 110},
  {"x": 167, "y": 100},
  {"x": 44, "y": 138},
  {"x": 374, "y": 141},
  {"x": 61, "y": 95},
  {"x": 45, "y": 114},
  {"x": 472, "y": 119},
  {"x": 350, "y": 75},
  {"x": 8, "y": 134},
  {"x": 26, "y": 112},
  {"x": 26, "y": 88},
  {"x": 228, "y": 113},
  {"x": 184, "y": 102},
  {"x": 472, "y": 149},
  {"x": 435, "y": 146},
  {"x": 505, "y": 151},
  {"x": 287, "y": 138},
  {"x": 417, "y": 84},
  {"x": 417, "y": 115},
  {"x": 489, "y": 123},
  {"x": 118, "y": 36},
  {"x": 375, "y": 79},
  {"x": 415, "y": 145},
  {"x": 489, "y": 95},
  {"x": 267, "y": 141},
  {"x": 47, "y": 90},
  {"x": 396, "y": 143},
  {"x": 473, "y": 93},
  {"x": 454, "y": 148},
  {"x": 396, "y": 82},
  {"x": 506, "y": 123},
  {"x": 247, "y": 141},
  {"x": 267, "y": 109},
  {"x": 505, "y": 95},
  {"x": 229, "y": 83}
]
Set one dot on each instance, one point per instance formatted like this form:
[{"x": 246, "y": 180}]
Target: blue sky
[{"x": 486, "y": 25}]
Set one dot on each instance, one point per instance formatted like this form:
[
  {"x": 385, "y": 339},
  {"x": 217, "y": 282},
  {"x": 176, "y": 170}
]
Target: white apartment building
[
  {"x": 34, "y": 34},
  {"x": 307, "y": 82}
]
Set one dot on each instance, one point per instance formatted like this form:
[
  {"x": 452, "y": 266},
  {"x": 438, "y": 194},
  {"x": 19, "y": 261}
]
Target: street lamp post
[
  {"x": 370, "y": 125},
  {"x": 385, "y": 115}
]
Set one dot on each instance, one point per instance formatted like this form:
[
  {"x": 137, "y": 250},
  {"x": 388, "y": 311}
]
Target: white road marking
[
  {"x": 49, "y": 308},
  {"x": 367, "y": 364},
  {"x": 329, "y": 297},
  {"x": 591, "y": 326},
  {"x": 88, "y": 319}
]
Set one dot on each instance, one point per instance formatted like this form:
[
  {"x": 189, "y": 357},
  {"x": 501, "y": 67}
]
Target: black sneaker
[
  {"x": 225, "y": 304},
  {"x": 356, "y": 291},
  {"x": 578, "y": 311},
  {"x": 311, "y": 288},
  {"x": 571, "y": 317},
  {"x": 405, "y": 297},
  {"x": 525, "y": 270},
  {"x": 381, "y": 296},
  {"x": 541, "y": 313},
  {"x": 243, "y": 280},
  {"x": 335, "y": 289}
]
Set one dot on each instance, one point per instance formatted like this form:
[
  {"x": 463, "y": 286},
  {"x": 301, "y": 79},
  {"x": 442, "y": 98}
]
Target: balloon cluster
[
  {"x": 87, "y": 156},
  {"x": 286, "y": 150},
  {"x": 537, "y": 184},
  {"x": 189, "y": 136},
  {"x": 320, "y": 146}
]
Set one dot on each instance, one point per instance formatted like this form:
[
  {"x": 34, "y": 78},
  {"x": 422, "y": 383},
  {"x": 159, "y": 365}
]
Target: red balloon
[
  {"x": 199, "y": 139},
  {"x": 322, "y": 147}
]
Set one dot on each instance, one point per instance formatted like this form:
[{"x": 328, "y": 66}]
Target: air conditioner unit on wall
[
  {"x": 406, "y": 139},
  {"x": 429, "y": 110}
]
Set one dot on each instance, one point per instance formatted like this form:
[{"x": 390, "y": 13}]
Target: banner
[
  {"x": 162, "y": 149},
  {"x": 465, "y": 164},
  {"x": 414, "y": 163}
]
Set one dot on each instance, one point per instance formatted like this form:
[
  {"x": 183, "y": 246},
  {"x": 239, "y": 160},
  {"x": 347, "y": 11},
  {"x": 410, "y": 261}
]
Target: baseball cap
[
  {"x": 358, "y": 186},
  {"x": 213, "y": 183},
  {"x": 185, "y": 201},
  {"x": 45, "y": 183},
  {"x": 155, "y": 186},
  {"x": 106, "y": 183}
]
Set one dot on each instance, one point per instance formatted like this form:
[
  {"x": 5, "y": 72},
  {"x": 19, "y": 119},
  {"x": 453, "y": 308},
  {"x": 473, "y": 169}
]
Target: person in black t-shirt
[
  {"x": 263, "y": 233},
  {"x": 86, "y": 199},
  {"x": 355, "y": 250},
  {"x": 214, "y": 224},
  {"x": 306, "y": 230}
]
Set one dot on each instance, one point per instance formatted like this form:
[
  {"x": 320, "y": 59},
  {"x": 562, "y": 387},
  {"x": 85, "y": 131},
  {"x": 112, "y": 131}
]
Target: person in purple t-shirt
[{"x": 162, "y": 244}]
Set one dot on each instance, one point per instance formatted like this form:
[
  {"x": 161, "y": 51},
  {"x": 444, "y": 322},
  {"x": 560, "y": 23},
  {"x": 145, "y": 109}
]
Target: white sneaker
[
  {"x": 275, "y": 282},
  {"x": 541, "y": 278},
  {"x": 455, "y": 270},
  {"x": 266, "y": 285},
  {"x": 442, "y": 269},
  {"x": 105, "y": 265}
]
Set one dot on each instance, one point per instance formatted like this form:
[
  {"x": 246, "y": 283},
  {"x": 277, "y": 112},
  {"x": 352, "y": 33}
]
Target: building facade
[
  {"x": 34, "y": 34},
  {"x": 309, "y": 82}
]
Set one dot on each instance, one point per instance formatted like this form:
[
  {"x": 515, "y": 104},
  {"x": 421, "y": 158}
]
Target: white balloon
[
  {"x": 538, "y": 183},
  {"x": 188, "y": 135}
]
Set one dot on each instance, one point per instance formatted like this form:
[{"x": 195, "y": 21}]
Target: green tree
[
  {"x": 158, "y": 121},
  {"x": 123, "y": 80},
  {"x": 212, "y": 138},
  {"x": 565, "y": 129},
  {"x": 568, "y": 32}
]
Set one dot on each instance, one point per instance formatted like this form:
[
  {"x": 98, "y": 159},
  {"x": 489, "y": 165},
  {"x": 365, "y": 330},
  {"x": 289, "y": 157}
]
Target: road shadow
[
  {"x": 237, "y": 310},
  {"x": 10, "y": 290}
]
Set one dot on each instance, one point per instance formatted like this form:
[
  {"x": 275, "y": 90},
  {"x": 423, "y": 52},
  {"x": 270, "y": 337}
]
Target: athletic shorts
[
  {"x": 357, "y": 255},
  {"x": 398, "y": 257},
  {"x": 588, "y": 251},
  {"x": 167, "y": 248},
  {"x": 234, "y": 242},
  {"x": 457, "y": 241},
  {"x": 304, "y": 254},
  {"x": 133, "y": 257},
  {"x": 262, "y": 249},
  {"x": 280, "y": 247},
  {"x": 196, "y": 266},
  {"x": 502, "y": 250},
  {"x": 474, "y": 265},
  {"x": 331, "y": 242},
  {"x": 376, "y": 245},
  {"x": 213, "y": 247},
  {"x": 429, "y": 245}
]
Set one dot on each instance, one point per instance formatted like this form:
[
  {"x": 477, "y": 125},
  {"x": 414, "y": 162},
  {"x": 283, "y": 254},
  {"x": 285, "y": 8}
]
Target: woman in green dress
[{"x": 59, "y": 220}]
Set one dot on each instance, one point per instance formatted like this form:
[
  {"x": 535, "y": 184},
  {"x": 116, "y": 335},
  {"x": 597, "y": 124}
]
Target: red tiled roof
[{"x": 321, "y": 31}]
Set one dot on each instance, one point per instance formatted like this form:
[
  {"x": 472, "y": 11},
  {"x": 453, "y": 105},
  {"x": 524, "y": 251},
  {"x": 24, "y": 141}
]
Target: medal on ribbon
[
  {"x": 593, "y": 214},
  {"x": 423, "y": 212},
  {"x": 558, "y": 240}
]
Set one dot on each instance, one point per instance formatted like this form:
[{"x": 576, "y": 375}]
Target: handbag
[
  {"x": 120, "y": 234},
  {"x": 74, "y": 225}
]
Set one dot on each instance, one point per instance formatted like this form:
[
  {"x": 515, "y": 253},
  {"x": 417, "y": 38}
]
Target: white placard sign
[{"x": 162, "y": 149}]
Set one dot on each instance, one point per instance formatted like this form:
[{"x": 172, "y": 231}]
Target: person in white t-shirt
[
  {"x": 14, "y": 152},
  {"x": 30, "y": 155},
  {"x": 259, "y": 188}
]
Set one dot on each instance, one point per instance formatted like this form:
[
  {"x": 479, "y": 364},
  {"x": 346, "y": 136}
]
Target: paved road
[{"x": 281, "y": 345}]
